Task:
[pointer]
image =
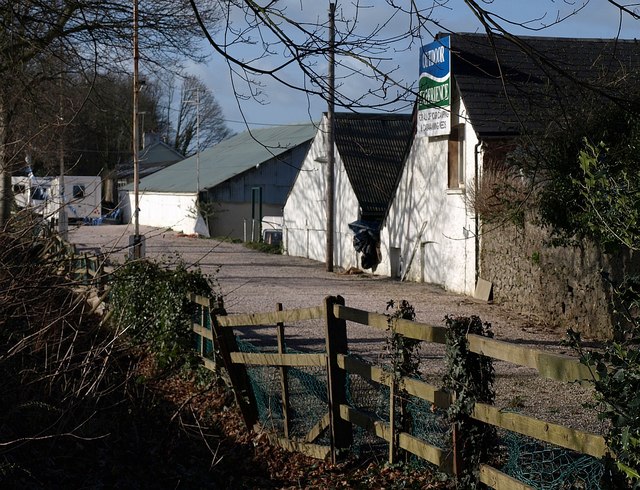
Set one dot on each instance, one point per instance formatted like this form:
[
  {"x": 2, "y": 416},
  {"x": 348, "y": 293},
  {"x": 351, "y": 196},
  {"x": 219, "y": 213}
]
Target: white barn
[
  {"x": 226, "y": 178},
  {"x": 430, "y": 233},
  {"x": 369, "y": 154},
  {"x": 429, "y": 229}
]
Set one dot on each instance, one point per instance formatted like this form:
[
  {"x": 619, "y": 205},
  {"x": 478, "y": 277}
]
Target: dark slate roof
[
  {"x": 540, "y": 74},
  {"x": 373, "y": 148},
  {"x": 154, "y": 157}
]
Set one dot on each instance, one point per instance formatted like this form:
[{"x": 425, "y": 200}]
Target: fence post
[
  {"x": 284, "y": 381},
  {"x": 392, "y": 420},
  {"x": 87, "y": 272},
  {"x": 204, "y": 310},
  {"x": 216, "y": 307},
  {"x": 237, "y": 372},
  {"x": 469, "y": 378},
  {"x": 458, "y": 466},
  {"x": 336, "y": 343}
]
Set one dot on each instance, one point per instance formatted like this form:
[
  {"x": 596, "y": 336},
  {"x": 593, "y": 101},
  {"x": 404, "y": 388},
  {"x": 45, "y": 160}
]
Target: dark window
[
  {"x": 78, "y": 191},
  {"x": 455, "y": 168},
  {"x": 39, "y": 194}
]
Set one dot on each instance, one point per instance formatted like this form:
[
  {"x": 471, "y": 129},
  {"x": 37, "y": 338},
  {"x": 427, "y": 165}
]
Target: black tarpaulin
[{"x": 366, "y": 240}]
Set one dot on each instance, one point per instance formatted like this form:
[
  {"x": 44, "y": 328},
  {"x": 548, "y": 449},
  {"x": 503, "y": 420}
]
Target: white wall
[
  {"x": 88, "y": 206},
  {"x": 304, "y": 233},
  {"x": 445, "y": 252},
  {"x": 164, "y": 210}
]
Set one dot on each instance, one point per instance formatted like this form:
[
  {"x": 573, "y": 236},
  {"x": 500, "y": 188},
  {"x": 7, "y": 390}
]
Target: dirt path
[{"x": 254, "y": 282}]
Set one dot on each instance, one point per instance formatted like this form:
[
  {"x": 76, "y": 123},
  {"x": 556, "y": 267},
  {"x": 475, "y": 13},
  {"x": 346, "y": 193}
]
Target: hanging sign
[{"x": 434, "y": 99}]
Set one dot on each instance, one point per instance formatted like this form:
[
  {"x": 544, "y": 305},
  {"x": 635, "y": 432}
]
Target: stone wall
[{"x": 559, "y": 287}]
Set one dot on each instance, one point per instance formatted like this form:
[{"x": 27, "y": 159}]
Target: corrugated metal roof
[
  {"x": 228, "y": 158},
  {"x": 510, "y": 88},
  {"x": 373, "y": 148}
]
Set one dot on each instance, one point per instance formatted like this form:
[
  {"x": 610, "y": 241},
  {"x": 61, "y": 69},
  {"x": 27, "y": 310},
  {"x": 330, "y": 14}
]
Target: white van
[
  {"x": 83, "y": 197},
  {"x": 32, "y": 192}
]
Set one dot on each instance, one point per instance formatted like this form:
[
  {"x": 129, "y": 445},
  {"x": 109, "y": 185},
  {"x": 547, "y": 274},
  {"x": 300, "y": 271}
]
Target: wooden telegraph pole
[
  {"x": 330, "y": 140},
  {"x": 136, "y": 241}
]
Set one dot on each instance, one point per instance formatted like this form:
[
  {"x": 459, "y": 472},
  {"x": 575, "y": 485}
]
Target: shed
[
  {"x": 236, "y": 182},
  {"x": 154, "y": 156}
]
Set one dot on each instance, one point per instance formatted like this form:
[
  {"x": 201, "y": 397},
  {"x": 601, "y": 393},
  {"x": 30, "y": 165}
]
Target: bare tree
[
  {"x": 286, "y": 43},
  {"x": 199, "y": 117},
  {"x": 81, "y": 38},
  {"x": 287, "y": 48}
]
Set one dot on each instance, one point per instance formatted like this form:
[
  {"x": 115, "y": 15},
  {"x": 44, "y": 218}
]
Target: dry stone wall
[{"x": 560, "y": 287}]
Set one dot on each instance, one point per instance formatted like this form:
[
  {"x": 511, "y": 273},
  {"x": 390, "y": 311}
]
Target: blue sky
[{"x": 282, "y": 105}]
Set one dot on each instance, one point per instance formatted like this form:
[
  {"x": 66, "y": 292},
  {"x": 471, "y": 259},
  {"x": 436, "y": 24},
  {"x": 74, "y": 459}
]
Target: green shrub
[
  {"x": 264, "y": 247},
  {"x": 150, "y": 302}
]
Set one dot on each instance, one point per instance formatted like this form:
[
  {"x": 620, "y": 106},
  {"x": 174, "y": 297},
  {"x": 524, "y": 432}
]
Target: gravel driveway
[{"x": 254, "y": 282}]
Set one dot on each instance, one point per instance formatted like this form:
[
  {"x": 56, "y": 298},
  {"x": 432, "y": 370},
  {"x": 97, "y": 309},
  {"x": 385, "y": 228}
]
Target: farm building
[
  {"x": 369, "y": 154},
  {"x": 478, "y": 98},
  {"x": 499, "y": 91},
  {"x": 154, "y": 156},
  {"x": 238, "y": 181}
]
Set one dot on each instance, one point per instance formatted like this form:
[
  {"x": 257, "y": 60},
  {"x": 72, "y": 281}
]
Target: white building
[
  {"x": 238, "y": 181},
  {"x": 369, "y": 154},
  {"x": 496, "y": 91},
  {"x": 430, "y": 233}
]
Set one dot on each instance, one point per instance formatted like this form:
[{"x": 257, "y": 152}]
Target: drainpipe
[{"x": 476, "y": 152}]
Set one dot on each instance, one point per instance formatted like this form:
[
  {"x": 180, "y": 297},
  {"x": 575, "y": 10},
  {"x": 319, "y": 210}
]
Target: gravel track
[{"x": 254, "y": 282}]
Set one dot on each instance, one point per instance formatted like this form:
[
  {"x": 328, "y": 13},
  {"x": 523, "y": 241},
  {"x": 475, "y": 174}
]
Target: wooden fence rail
[
  {"x": 340, "y": 416},
  {"x": 80, "y": 267},
  {"x": 88, "y": 273}
]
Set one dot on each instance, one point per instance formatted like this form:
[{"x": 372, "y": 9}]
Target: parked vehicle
[
  {"x": 82, "y": 195},
  {"x": 32, "y": 192}
]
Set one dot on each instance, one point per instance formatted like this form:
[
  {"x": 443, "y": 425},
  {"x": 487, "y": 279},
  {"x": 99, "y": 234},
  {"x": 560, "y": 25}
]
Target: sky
[{"x": 282, "y": 105}]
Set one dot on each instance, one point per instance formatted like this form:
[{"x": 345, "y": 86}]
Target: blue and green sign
[{"x": 434, "y": 99}]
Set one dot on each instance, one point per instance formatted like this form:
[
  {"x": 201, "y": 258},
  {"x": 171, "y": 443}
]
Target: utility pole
[
  {"x": 197, "y": 147},
  {"x": 136, "y": 242},
  {"x": 63, "y": 222},
  {"x": 330, "y": 139}
]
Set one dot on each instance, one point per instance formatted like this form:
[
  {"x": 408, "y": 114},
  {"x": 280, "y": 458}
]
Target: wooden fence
[
  {"x": 87, "y": 272},
  {"x": 340, "y": 417},
  {"x": 84, "y": 268}
]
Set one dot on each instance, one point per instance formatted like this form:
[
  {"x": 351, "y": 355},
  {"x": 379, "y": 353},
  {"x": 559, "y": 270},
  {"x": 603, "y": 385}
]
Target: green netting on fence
[
  {"x": 308, "y": 404},
  {"x": 428, "y": 422},
  {"x": 265, "y": 384},
  {"x": 307, "y": 400},
  {"x": 307, "y": 395},
  {"x": 540, "y": 465},
  {"x": 208, "y": 351},
  {"x": 368, "y": 396},
  {"x": 372, "y": 398},
  {"x": 547, "y": 467}
]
